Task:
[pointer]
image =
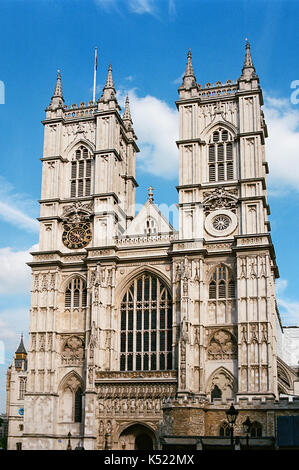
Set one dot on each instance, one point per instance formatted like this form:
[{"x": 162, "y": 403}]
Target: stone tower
[
  {"x": 140, "y": 333},
  {"x": 224, "y": 217}
]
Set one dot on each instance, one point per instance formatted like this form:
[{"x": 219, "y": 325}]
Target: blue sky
[{"x": 146, "y": 41}]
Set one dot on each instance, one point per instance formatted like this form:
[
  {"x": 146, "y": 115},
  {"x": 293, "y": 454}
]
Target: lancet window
[
  {"x": 76, "y": 294},
  {"x": 146, "y": 325},
  {"x": 221, "y": 156},
  {"x": 81, "y": 173},
  {"x": 222, "y": 284}
]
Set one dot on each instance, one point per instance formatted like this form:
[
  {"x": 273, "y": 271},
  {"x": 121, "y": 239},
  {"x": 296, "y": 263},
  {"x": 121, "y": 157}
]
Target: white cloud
[
  {"x": 282, "y": 145},
  {"x": 289, "y": 311},
  {"x": 14, "y": 207},
  {"x": 18, "y": 218},
  {"x": 142, "y": 6},
  {"x": 156, "y": 126},
  {"x": 280, "y": 286},
  {"x": 15, "y": 274}
]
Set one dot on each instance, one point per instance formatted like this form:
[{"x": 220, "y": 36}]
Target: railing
[
  {"x": 146, "y": 239},
  {"x": 218, "y": 90}
]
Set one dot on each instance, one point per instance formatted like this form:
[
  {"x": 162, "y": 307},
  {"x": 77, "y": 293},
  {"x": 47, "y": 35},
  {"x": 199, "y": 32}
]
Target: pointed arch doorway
[{"x": 137, "y": 437}]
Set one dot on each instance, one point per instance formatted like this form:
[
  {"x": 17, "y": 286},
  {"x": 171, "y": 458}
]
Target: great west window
[{"x": 146, "y": 326}]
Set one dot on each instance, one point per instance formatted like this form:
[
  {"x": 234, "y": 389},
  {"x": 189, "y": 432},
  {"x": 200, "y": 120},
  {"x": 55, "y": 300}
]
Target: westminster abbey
[{"x": 142, "y": 336}]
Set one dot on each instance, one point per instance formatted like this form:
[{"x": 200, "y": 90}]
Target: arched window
[
  {"x": 70, "y": 400},
  {"x": 216, "y": 393},
  {"x": 256, "y": 429},
  {"x": 146, "y": 325},
  {"x": 81, "y": 173},
  {"x": 22, "y": 388},
  {"x": 76, "y": 294},
  {"x": 222, "y": 284},
  {"x": 150, "y": 226},
  {"x": 220, "y": 156},
  {"x": 78, "y": 406}
]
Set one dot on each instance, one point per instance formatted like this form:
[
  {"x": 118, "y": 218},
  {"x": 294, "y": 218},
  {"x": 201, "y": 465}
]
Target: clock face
[{"x": 76, "y": 235}]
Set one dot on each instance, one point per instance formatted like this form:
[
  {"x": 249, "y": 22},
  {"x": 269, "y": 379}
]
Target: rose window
[{"x": 221, "y": 222}]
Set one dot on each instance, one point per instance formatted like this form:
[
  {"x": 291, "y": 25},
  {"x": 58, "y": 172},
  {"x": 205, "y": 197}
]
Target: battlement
[
  {"x": 289, "y": 402},
  {"x": 83, "y": 110},
  {"x": 218, "y": 90}
]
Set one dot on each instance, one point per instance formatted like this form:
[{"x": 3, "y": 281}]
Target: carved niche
[
  {"x": 222, "y": 345},
  {"x": 73, "y": 351}
]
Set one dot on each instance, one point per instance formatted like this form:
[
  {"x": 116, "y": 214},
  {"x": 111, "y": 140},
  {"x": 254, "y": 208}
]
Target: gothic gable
[{"x": 149, "y": 222}]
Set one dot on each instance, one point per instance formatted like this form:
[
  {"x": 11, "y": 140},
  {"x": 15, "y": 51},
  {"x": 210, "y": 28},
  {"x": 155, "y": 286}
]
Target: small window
[
  {"x": 220, "y": 156},
  {"x": 78, "y": 406},
  {"x": 81, "y": 173},
  {"x": 76, "y": 294},
  {"x": 222, "y": 284}
]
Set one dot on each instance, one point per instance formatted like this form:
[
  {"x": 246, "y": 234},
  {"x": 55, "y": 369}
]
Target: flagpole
[{"x": 95, "y": 73}]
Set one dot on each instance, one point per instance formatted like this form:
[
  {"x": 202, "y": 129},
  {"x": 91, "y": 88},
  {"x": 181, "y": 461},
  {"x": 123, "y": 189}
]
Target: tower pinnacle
[
  {"x": 189, "y": 79},
  {"x": 108, "y": 90},
  {"x": 57, "y": 100},
  {"x": 127, "y": 112},
  {"x": 109, "y": 80},
  {"x": 248, "y": 70}
]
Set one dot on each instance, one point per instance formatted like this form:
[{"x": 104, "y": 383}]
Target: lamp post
[
  {"x": 231, "y": 415},
  {"x": 69, "y": 447},
  {"x": 247, "y": 424}
]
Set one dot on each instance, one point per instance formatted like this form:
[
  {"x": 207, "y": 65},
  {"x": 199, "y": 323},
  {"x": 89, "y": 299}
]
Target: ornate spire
[
  {"x": 189, "y": 67},
  {"x": 109, "y": 81},
  {"x": 248, "y": 70},
  {"x": 248, "y": 59},
  {"x": 57, "y": 100},
  {"x": 189, "y": 79},
  {"x": 58, "y": 87},
  {"x": 127, "y": 112},
  {"x": 108, "y": 90}
]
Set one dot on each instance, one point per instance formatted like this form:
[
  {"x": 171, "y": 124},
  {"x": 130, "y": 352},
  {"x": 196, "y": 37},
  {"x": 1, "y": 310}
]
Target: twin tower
[{"x": 132, "y": 321}]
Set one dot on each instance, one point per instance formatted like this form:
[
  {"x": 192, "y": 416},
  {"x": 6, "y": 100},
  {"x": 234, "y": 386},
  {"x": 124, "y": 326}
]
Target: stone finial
[
  {"x": 189, "y": 79},
  {"x": 108, "y": 90},
  {"x": 150, "y": 193},
  {"x": 127, "y": 112},
  {"x": 57, "y": 100},
  {"x": 248, "y": 70},
  {"x": 58, "y": 87},
  {"x": 109, "y": 80}
]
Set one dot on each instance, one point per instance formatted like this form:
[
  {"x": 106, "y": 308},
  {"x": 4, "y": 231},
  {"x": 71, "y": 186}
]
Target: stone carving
[
  {"x": 77, "y": 212},
  {"x": 220, "y": 199},
  {"x": 73, "y": 350},
  {"x": 222, "y": 345},
  {"x": 41, "y": 342}
]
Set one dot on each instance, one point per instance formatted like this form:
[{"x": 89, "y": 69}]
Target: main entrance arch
[{"x": 137, "y": 437}]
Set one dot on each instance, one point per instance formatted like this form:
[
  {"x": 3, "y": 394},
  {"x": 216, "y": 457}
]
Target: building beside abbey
[{"x": 142, "y": 336}]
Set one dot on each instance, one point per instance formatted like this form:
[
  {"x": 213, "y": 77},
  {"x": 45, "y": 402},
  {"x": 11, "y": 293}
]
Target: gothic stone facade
[{"x": 131, "y": 318}]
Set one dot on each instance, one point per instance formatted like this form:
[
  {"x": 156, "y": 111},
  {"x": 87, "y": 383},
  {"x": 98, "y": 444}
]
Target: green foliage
[{"x": 3, "y": 442}]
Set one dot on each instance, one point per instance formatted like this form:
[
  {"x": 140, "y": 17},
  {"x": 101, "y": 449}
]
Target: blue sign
[{"x": 21, "y": 411}]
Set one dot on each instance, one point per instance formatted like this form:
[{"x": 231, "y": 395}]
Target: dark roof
[{"x": 21, "y": 349}]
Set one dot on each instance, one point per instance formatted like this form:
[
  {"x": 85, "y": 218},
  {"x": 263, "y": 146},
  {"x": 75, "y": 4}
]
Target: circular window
[{"x": 221, "y": 223}]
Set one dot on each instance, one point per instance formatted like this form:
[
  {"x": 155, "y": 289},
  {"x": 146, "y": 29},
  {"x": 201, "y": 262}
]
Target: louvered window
[
  {"x": 221, "y": 285},
  {"x": 76, "y": 294},
  {"x": 220, "y": 156},
  {"x": 81, "y": 170},
  {"x": 146, "y": 326}
]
